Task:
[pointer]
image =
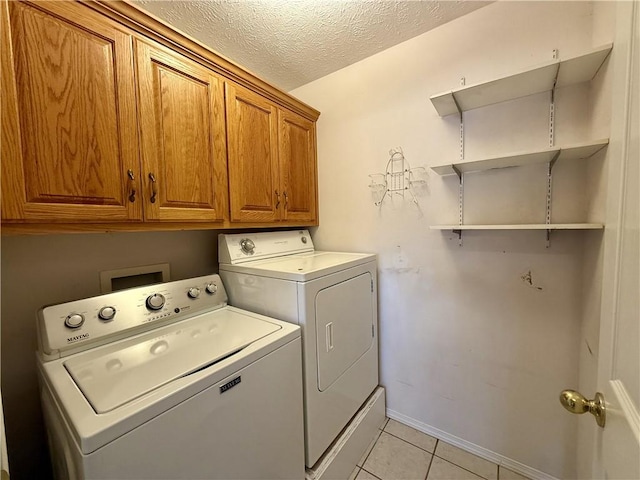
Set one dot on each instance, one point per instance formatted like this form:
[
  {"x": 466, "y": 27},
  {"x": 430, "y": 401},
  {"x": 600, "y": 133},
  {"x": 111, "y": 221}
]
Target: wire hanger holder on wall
[{"x": 399, "y": 178}]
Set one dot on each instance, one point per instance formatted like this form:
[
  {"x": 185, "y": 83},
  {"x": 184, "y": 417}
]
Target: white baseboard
[{"x": 482, "y": 452}]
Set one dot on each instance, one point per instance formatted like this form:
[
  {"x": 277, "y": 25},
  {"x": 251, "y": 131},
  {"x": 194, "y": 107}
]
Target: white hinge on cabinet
[
  {"x": 372, "y": 285},
  {"x": 372, "y": 332}
]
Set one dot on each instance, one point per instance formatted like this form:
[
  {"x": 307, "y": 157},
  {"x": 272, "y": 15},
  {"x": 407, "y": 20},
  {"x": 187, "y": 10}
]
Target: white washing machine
[
  {"x": 168, "y": 382},
  {"x": 333, "y": 297}
]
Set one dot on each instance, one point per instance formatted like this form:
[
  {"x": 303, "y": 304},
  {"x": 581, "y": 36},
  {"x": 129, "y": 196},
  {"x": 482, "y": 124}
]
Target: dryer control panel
[
  {"x": 239, "y": 248},
  {"x": 75, "y": 326}
]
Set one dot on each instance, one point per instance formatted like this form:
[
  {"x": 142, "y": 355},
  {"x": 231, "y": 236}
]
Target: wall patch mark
[
  {"x": 527, "y": 279},
  {"x": 588, "y": 347}
]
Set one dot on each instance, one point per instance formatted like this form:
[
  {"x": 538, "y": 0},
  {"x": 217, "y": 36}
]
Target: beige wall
[
  {"x": 41, "y": 270},
  {"x": 470, "y": 352}
]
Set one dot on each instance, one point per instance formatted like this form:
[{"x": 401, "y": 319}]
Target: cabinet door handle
[
  {"x": 286, "y": 199},
  {"x": 132, "y": 186},
  {"x": 154, "y": 188},
  {"x": 277, "y": 199}
]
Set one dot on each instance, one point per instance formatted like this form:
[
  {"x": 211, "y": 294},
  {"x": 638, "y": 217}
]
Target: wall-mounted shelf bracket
[
  {"x": 549, "y": 191},
  {"x": 552, "y": 114},
  {"x": 461, "y": 138},
  {"x": 552, "y": 104},
  {"x": 460, "y": 202},
  {"x": 461, "y": 125}
]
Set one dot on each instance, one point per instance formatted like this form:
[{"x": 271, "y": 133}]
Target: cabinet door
[
  {"x": 72, "y": 116},
  {"x": 297, "y": 153},
  {"x": 182, "y": 136},
  {"x": 254, "y": 189}
]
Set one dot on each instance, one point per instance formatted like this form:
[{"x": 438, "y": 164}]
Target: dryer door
[{"x": 344, "y": 326}]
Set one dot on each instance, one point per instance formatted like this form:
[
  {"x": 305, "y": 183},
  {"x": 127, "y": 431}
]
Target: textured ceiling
[{"x": 292, "y": 42}]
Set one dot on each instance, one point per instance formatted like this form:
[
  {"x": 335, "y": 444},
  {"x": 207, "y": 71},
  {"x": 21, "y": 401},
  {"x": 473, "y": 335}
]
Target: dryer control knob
[
  {"x": 107, "y": 313},
  {"x": 247, "y": 246},
  {"x": 194, "y": 292},
  {"x": 155, "y": 301},
  {"x": 74, "y": 320},
  {"x": 212, "y": 288}
]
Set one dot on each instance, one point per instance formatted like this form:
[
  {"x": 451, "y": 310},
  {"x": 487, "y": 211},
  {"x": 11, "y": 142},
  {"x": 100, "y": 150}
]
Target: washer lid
[
  {"x": 302, "y": 267},
  {"x": 111, "y": 376}
]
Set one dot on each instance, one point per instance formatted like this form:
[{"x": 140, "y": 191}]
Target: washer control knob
[
  {"x": 107, "y": 313},
  {"x": 212, "y": 288},
  {"x": 247, "y": 246},
  {"x": 74, "y": 320},
  {"x": 194, "y": 292},
  {"x": 155, "y": 301}
]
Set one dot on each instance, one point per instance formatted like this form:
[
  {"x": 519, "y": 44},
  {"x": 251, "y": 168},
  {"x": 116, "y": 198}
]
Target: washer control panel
[
  {"x": 74, "y": 326},
  {"x": 107, "y": 313},
  {"x": 155, "y": 301}
]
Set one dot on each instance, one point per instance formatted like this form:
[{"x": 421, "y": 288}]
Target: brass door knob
[{"x": 575, "y": 402}]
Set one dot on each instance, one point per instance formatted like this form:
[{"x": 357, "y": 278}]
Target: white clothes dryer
[
  {"x": 333, "y": 297},
  {"x": 169, "y": 382}
]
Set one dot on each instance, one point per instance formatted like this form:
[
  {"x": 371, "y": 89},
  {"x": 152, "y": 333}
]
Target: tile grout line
[
  {"x": 413, "y": 444},
  {"x": 380, "y": 431},
  {"x": 434, "y": 453},
  {"x": 431, "y": 461},
  {"x": 370, "y": 451},
  {"x": 375, "y": 476},
  {"x": 383, "y": 430},
  {"x": 463, "y": 468}
]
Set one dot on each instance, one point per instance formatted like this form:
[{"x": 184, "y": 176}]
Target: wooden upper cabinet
[
  {"x": 113, "y": 120},
  {"x": 272, "y": 161},
  {"x": 252, "y": 132},
  {"x": 182, "y": 128},
  {"x": 69, "y": 110},
  {"x": 297, "y": 154}
]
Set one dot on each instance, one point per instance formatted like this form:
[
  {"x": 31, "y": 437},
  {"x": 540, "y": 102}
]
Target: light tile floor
[{"x": 403, "y": 453}]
